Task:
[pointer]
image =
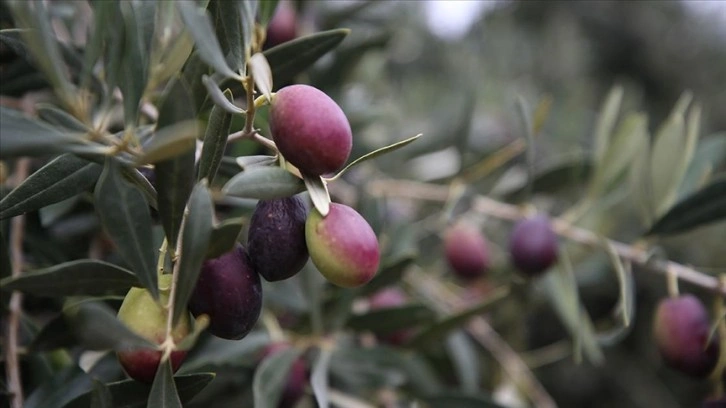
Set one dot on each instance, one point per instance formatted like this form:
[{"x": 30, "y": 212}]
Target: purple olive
[
  {"x": 533, "y": 245},
  {"x": 283, "y": 25},
  {"x": 276, "y": 238},
  {"x": 342, "y": 246},
  {"x": 310, "y": 129},
  {"x": 681, "y": 329},
  {"x": 466, "y": 250},
  {"x": 229, "y": 291}
]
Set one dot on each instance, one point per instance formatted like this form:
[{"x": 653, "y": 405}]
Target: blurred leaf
[
  {"x": 375, "y": 153},
  {"x": 224, "y": 237},
  {"x": 59, "y": 118},
  {"x": 266, "y": 11},
  {"x": 126, "y": 217},
  {"x": 135, "y": 60},
  {"x": 199, "y": 25},
  {"x": 171, "y": 141},
  {"x": 247, "y": 10},
  {"x": 434, "y": 332},
  {"x": 293, "y": 57},
  {"x": 247, "y": 162},
  {"x": 625, "y": 308},
  {"x": 219, "y": 98},
  {"x": 196, "y": 232},
  {"x": 524, "y": 113},
  {"x": 64, "y": 386},
  {"x": 390, "y": 273},
  {"x": 459, "y": 400},
  {"x": 271, "y": 376},
  {"x": 175, "y": 176},
  {"x": 606, "y": 123},
  {"x": 709, "y": 155},
  {"x": 263, "y": 183},
  {"x": 218, "y": 353},
  {"x": 55, "y": 334},
  {"x": 702, "y": 207},
  {"x": 201, "y": 323},
  {"x": 465, "y": 360},
  {"x": 388, "y": 320},
  {"x": 631, "y": 136},
  {"x": 564, "y": 171},
  {"x": 318, "y": 191},
  {"x": 640, "y": 185},
  {"x": 63, "y": 177},
  {"x": 142, "y": 183},
  {"x": 133, "y": 394},
  {"x": 262, "y": 74},
  {"x": 81, "y": 277},
  {"x": 215, "y": 141},
  {"x": 192, "y": 74},
  {"x": 21, "y": 135},
  {"x": 97, "y": 328},
  {"x": 101, "y": 396},
  {"x": 319, "y": 377},
  {"x": 163, "y": 392}
]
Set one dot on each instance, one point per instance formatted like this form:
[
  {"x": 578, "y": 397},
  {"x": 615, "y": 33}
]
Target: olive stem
[
  {"x": 12, "y": 365},
  {"x": 485, "y": 205}
]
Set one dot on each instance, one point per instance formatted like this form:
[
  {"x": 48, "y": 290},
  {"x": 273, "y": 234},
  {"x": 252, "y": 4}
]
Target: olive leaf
[
  {"x": 262, "y": 74},
  {"x": 318, "y": 190},
  {"x": 263, "y": 183},
  {"x": 371, "y": 155}
]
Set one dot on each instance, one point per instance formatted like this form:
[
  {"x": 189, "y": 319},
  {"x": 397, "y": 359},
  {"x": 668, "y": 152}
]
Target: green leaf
[
  {"x": 64, "y": 386},
  {"x": 171, "y": 141},
  {"x": 293, "y": 57},
  {"x": 709, "y": 155},
  {"x": 271, "y": 376},
  {"x": 266, "y": 11},
  {"x": 318, "y": 191},
  {"x": 134, "y": 63},
  {"x": 55, "y": 334},
  {"x": 640, "y": 183},
  {"x": 224, "y": 237},
  {"x": 219, "y": 98},
  {"x": 175, "y": 176},
  {"x": 218, "y": 353},
  {"x": 376, "y": 153},
  {"x": 199, "y": 25},
  {"x": 60, "y": 118},
  {"x": 163, "y": 392},
  {"x": 631, "y": 136},
  {"x": 228, "y": 24},
  {"x": 134, "y": 394},
  {"x": 21, "y": 135},
  {"x": 248, "y": 162},
  {"x": 388, "y": 320},
  {"x": 319, "y": 377},
  {"x": 97, "y": 328},
  {"x": 215, "y": 141},
  {"x": 262, "y": 74},
  {"x": 459, "y": 400},
  {"x": 101, "y": 396},
  {"x": 81, "y": 277},
  {"x": 196, "y": 232},
  {"x": 465, "y": 360},
  {"x": 247, "y": 11},
  {"x": 125, "y": 215},
  {"x": 606, "y": 123},
  {"x": 702, "y": 207},
  {"x": 560, "y": 172},
  {"x": 434, "y": 332},
  {"x": 62, "y": 178},
  {"x": 263, "y": 183}
]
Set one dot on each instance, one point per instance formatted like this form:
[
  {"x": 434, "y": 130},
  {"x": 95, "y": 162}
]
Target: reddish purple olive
[
  {"x": 466, "y": 250},
  {"x": 147, "y": 318},
  {"x": 681, "y": 330},
  {"x": 229, "y": 291},
  {"x": 283, "y": 25},
  {"x": 276, "y": 238},
  {"x": 342, "y": 246},
  {"x": 533, "y": 245},
  {"x": 310, "y": 129},
  {"x": 391, "y": 297},
  {"x": 297, "y": 377}
]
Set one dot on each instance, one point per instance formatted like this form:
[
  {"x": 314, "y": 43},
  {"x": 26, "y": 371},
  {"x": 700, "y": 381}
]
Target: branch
[{"x": 485, "y": 205}]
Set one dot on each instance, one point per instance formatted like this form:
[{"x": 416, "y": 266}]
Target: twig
[
  {"x": 12, "y": 366},
  {"x": 486, "y": 205}
]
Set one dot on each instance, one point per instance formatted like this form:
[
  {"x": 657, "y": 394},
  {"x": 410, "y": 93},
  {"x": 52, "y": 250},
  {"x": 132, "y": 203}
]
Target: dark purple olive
[
  {"x": 283, "y": 25},
  {"x": 466, "y": 251},
  {"x": 681, "y": 328},
  {"x": 276, "y": 238},
  {"x": 229, "y": 291},
  {"x": 533, "y": 245}
]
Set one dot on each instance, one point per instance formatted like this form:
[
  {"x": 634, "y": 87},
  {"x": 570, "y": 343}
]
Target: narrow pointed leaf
[
  {"x": 625, "y": 143},
  {"x": 224, "y": 237},
  {"x": 319, "y": 377},
  {"x": 219, "y": 98},
  {"x": 709, "y": 155},
  {"x": 134, "y": 63},
  {"x": 247, "y": 10},
  {"x": 171, "y": 141},
  {"x": 200, "y": 26},
  {"x": 248, "y": 162},
  {"x": 388, "y": 320},
  {"x": 465, "y": 360},
  {"x": 163, "y": 392},
  {"x": 228, "y": 28},
  {"x": 262, "y": 73},
  {"x": 318, "y": 190},
  {"x": 134, "y": 394},
  {"x": 215, "y": 141},
  {"x": 606, "y": 123},
  {"x": 459, "y": 400},
  {"x": 21, "y": 135},
  {"x": 101, "y": 396},
  {"x": 293, "y": 57},
  {"x": 264, "y": 183},
  {"x": 700, "y": 208},
  {"x": 97, "y": 328},
  {"x": 376, "y": 153},
  {"x": 85, "y": 277},
  {"x": 62, "y": 178},
  {"x": 270, "y": 378},
  {"x": 195, "y": 239},
  {"x": 218, "y": 352},
  {"x": 267, "y": 10},
  {"x": 59, "y": 118},
  {"x": 64, "y": 386},
  {"x": 125, "y": 215}
]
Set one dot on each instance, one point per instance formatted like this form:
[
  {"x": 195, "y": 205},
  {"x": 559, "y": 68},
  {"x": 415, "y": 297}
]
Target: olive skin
[
  {"x": 229, "y": 291},
  {"x": 283, "y": 25},
  {"x": 533, "y": 245},
  {"x": 680, "y": 329},
  {"x": 144, "y": 316},
  {"x": 466, "y": 251},
  {"x": 297, "y": 377},
  {"x": 342, "y": 246},
  {"x": 276, "y": 238},
  {"x": 310, "y": 130}
]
